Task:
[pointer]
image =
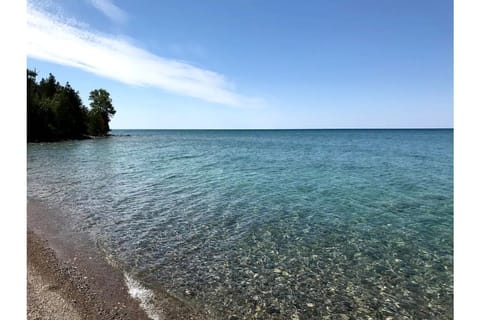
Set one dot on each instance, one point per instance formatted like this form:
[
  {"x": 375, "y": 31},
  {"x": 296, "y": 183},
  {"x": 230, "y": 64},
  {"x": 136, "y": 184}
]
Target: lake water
[{"x": 281, "y": 224}]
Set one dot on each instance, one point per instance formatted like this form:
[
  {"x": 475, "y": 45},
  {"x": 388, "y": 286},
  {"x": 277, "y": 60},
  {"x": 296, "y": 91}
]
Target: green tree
[
  {"x": 56, "y": 112},
  {"x": 70, "y": 114},
  {"x": 39, "y": 113},
  {"x": 100, "y": 113},
  {"x": 48, "y": 87}
]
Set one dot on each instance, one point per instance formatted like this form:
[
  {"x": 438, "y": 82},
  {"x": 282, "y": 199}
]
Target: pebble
[
  {"x": 276, "y": 270},
  {"x": 310, "y": 305},
  {"x": 273, "y": 309}
]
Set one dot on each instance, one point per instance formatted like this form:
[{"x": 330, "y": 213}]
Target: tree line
[{"x": 56, "y": 112}]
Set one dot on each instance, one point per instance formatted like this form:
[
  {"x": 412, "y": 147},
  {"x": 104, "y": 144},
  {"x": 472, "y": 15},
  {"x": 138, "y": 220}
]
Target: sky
[{"x": 248, "y": 64}]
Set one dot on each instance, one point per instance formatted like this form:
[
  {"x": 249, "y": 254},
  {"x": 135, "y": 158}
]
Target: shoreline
[
  {"x": 58, "y": 289},
  {"x": 68, "y": 278}
]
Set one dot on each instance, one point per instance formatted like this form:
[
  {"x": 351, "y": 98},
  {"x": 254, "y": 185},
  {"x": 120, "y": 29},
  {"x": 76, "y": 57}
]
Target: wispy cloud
[
  {"x": 109, "y": 9},
  {"x": 53, "y": 39}
]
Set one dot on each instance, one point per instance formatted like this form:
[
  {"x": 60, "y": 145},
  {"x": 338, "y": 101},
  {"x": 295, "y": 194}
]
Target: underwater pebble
[
  {"x": 310, "y": 305},
  {"x": 274, "y": 309}
]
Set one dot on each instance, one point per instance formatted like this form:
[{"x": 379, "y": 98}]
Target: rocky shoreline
[
  {"x": 69, "y": 278},
  {"x": 59, "y": 289}
]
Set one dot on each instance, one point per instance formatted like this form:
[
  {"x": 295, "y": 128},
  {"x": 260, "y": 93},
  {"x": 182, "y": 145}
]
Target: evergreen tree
[
  {"x": 69, "y": 113},
  {"x": 38, "y": 112}
]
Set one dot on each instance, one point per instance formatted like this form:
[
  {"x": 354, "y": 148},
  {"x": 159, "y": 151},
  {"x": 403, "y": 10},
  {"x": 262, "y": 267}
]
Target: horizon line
[{"x": 279, "y": 129}]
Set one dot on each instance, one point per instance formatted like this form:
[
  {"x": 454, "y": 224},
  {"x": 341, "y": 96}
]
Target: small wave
[
  {"x": 187, "y": 156},
  {"x": 145, "y": 296}
]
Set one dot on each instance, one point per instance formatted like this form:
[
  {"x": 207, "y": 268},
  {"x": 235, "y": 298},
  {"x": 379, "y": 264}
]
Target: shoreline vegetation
[{"x": 56, "y": 112}]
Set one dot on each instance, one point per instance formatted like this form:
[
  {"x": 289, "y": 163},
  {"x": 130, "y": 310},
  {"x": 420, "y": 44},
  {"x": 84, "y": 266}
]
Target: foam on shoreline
[
  {"x": 88, "y": 277},
  {"x": 145, "y": 296}
]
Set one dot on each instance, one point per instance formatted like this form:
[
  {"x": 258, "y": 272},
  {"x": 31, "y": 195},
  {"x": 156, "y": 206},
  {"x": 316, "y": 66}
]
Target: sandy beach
[{"x": 68, "y": 278}]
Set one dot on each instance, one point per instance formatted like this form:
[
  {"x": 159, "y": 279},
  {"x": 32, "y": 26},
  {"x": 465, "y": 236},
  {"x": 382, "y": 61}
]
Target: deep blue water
[{"x": 267, "y": 224}]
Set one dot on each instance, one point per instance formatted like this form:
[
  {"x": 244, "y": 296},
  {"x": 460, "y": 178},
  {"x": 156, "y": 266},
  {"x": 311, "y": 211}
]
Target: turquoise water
[{"x": 288, "y": 224}]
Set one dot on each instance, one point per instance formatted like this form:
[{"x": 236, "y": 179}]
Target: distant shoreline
[{"x": 85, "y": 137}]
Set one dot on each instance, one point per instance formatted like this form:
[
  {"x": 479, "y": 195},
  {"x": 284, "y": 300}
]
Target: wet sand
[{"x": 68, "y": 278}]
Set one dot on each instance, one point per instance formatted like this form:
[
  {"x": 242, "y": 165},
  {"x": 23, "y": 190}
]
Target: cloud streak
[
  {"x": 53, "y": 39},
  {"x": 109, "y": 9}
]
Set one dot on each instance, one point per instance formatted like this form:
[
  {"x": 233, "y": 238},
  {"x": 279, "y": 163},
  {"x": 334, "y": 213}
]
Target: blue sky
[{"x": 251, "y": 63}]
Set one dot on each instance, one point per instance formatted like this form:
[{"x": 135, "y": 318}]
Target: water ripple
[{"x": 268, "y": 224}]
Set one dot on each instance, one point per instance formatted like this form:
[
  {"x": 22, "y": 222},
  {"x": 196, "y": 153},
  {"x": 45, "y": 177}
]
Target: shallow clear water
[{"x": 340, "y": 224}]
